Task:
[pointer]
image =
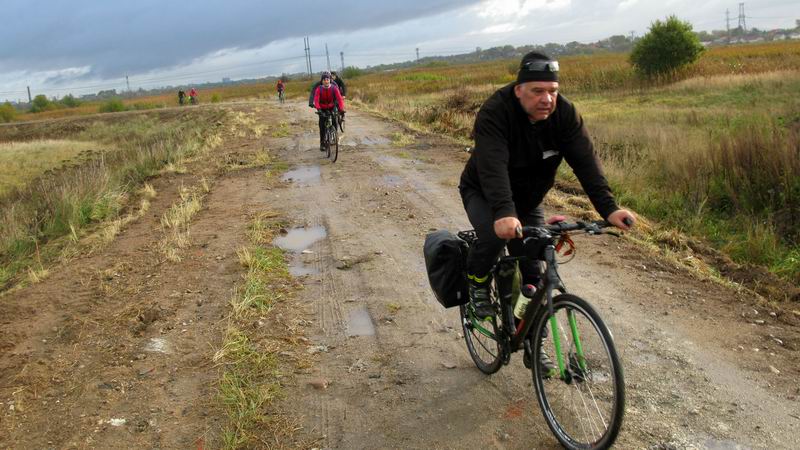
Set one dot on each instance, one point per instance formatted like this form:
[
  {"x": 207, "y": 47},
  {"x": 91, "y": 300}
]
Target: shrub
[
  {"x": 352, "y": 72},
  {"x": 215, "y": 98},
  {"x": 7, "y": 112},
  {"x": 113, "y": 105},
  {"x": 667, "y": 47},
  {"x": 41, "y": 103},
  {"x": 70, "y": 101}
]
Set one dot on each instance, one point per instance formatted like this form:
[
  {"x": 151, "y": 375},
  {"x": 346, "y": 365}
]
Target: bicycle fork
[{"x": 553, "y": 280}]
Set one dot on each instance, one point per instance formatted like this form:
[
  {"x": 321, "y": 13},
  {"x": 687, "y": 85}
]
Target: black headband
[{"x": 537, "y": 70}]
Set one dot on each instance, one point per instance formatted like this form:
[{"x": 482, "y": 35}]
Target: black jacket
[
  {"x": 514, "y": 162},
  {"x": 342, "y": 88}
]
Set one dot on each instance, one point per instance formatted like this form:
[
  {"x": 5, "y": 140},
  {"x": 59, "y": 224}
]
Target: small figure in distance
[
  {"x": 193, "y": 96},
  {"x": 280, "y": 87},
  {"x": 181, "y": 97}
]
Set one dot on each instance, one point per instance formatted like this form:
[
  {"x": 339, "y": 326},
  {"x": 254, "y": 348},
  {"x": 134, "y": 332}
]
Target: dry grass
[
  {"x": 175, "y": 222},
  {"x": 21, "y": 162},
  {"x": 85, "y": 196}
]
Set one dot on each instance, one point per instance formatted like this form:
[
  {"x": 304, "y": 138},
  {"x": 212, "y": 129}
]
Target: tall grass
[
  {"x": 712, "y": 150},
  {"x": 61, "y": 203}
]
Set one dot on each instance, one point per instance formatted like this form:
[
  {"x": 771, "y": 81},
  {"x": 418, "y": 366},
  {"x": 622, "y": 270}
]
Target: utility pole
[
  {"x": 728, "y": 24},
  {"x": 417, "y": 55},
  {"x": 742, "y": 23},
  {"x": 128, "y": 83},
  {"x": 632, "y": 35},
  {"x": 30, "y": 100},
  {"x": 305, "y": 53},
  {"x": 328, "y": 57},
  {"x": 341, "y": 55}
]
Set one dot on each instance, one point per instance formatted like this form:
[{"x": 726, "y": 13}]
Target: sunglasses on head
[{"x": 540, "y": 65}]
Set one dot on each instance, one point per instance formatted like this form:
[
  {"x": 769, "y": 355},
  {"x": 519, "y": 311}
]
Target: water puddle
[
  {"x": 375, "y": 140},
  {"x": 359, "y": 323},
  {"x": 157, "y": 345},
  {"x": 303, "y": 175},
  {"x": 392, "y": 180},
  {"x": 299, "y": 239},
  {"x": 721, "y": 444},
  {"x": 298, "y": 269}
]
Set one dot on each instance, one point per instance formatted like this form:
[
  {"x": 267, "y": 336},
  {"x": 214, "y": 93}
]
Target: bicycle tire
[
  {"x": 327, "y": 144},
  {"x": 335, "y": 144},
  {"x": 486, "y": 352},
  {"x": 602, "y": 384}
]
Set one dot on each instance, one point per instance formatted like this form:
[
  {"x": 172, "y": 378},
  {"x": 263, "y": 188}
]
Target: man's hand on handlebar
[
  {"x": 622, "y": 219},
  {"x": 508, "y": 228}
]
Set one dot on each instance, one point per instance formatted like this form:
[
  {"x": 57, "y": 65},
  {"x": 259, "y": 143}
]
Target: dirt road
[{"x": 115, "y": 350}]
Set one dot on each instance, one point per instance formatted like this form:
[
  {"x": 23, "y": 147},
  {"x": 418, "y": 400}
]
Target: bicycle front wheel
[
  {"x": 334, "y": 153},
  {"x": 583, "y": 404}
]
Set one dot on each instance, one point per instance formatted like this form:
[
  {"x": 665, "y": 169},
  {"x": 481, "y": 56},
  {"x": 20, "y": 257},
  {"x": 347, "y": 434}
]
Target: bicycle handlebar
[{"x": 593, "y": 227}]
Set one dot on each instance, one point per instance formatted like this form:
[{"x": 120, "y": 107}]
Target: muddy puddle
[
  {"x": 359, "y": 323},
  {"x": 303, "y": 175},
  {"x": 392, "y": 180},
  {"x": 722, "y": 444},
  {"x": 298, "y": 240},
  {"x": 375, "y": 140}
]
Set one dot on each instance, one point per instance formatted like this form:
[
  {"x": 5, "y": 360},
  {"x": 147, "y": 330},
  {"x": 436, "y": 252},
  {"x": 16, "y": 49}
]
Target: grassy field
[
  {"x": 73, "y": 185},
  {"x": 21, "y": 162}
]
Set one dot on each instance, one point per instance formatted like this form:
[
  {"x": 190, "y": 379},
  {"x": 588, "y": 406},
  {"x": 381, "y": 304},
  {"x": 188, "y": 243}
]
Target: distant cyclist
[
  {"x": 193, "y": 96},
  {"x": 315, "y": 86},
  {"x": 181, "y": 97},
  {"x": 339, "y": 82},
  {"x": 280, "y": 87},
  {"x": 327, "y": 98}
]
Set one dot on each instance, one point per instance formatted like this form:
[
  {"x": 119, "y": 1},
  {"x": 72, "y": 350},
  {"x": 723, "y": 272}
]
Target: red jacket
[{"x": 327, "y": 98}]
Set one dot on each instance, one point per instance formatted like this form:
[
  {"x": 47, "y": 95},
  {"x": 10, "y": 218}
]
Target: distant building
[{"x": 226, "y": 80}]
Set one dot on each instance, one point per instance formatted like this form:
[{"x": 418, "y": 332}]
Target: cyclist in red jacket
[{"x": 327, "y": 98}]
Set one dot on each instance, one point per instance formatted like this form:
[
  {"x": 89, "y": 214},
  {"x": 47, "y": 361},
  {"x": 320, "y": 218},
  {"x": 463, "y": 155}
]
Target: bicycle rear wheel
[
  {"x": 584, "y": 408},
  {"x": 482, "y": 340}
]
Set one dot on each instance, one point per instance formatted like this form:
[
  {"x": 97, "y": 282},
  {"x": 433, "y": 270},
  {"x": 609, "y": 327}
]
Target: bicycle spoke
[{"x": 583, "y": 407}]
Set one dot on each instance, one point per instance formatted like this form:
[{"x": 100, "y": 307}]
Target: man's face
[
  {"x": 538, "y": 98},
  {"x": 326, "y": 81}
]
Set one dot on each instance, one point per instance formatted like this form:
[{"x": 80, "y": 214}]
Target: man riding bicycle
[
  {"x": 327, "y": 98},
  {"x": 522, "y": 132}
]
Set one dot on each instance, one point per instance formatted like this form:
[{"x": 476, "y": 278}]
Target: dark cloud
[{"x": 115, "y": 38}]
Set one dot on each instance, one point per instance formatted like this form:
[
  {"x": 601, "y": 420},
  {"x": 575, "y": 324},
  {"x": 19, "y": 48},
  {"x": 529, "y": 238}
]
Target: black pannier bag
[{"x": 445, "y": 261}]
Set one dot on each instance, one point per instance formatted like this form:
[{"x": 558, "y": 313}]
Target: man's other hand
[
  {"x": 621, "y": 218},
  {"x": 506, "y": 228}
]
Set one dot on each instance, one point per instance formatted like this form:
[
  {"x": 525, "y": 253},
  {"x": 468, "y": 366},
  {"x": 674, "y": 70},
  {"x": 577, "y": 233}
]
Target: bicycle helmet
[{"x": 325, "y": 74}]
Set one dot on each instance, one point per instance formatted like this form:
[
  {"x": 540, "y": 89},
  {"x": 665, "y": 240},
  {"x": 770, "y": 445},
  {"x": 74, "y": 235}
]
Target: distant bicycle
[
  {"x": 281, "y": 96},
  {"x": 194, "y": 100},
  {"x": 331, "y": 134}
]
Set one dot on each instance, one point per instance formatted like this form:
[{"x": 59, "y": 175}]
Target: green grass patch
[{"x": 249, "y": 383}]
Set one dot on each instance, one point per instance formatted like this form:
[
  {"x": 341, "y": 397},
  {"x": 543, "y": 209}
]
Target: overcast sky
[{"x": 82, "y": 46}]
